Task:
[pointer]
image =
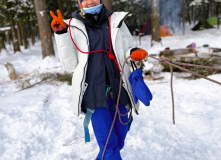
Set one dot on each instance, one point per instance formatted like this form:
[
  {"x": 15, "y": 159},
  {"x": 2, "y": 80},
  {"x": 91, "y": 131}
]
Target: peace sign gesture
[{"x": 57, "y": 23}]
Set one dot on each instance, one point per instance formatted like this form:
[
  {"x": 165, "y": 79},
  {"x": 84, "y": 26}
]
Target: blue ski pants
[{"x": 102, "y": 120}]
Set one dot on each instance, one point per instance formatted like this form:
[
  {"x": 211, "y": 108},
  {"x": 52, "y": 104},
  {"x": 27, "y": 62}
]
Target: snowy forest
[{"x": 182, "y": 70}]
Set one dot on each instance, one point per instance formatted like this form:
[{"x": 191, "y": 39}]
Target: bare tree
[
  {"x": 31, "y": 28},
  {"x": 108, "y": 4},
  {"x": 44, "y": 28},
  {"x": 155, "y": 22}
]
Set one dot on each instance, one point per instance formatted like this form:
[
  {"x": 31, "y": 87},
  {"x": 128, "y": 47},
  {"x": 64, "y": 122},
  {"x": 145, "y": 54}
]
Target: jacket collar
[{"x": 116, "y": 19}]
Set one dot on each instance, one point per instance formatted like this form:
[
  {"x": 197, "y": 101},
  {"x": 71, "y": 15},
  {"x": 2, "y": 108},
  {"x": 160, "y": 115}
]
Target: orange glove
[
  {"x": 138, "y": 55},
  {"x": 57, "y": 23}
]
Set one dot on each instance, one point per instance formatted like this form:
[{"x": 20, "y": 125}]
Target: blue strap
[
  {"x": 107, "y": 90},
  {"x": 106, "y": 96},
  {"x": 87, "y": 119}
]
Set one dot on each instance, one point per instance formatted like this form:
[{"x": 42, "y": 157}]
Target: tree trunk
[
  {"x": 15, "y": 38},
  {"x": 183, "y": 16},
  {"x": 7, "y": 34},
  {"x": 2, "y": 43},
  {"x": 24, "y": 35},
  {"x": 207, "y": 10},
  {"x": 218, "y": 21},
  {"x": 210, "y": 8},
  {"x": 31, "y": 27},
  {"x": 19, "y": 34},
  {"x": 194, "y": 18},
  {"x": 44, "y": 28},
  {"x": 204, "y": 10},
  {"x": 60, "y": 6},
  {"x": 155, "y": 22},
  {"x": 108, "y": 4},
  {"x": 188, "y": 12}
]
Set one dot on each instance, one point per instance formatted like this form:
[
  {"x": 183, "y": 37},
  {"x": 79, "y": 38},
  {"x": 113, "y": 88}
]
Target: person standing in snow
[{"x": 94, "y": 44}]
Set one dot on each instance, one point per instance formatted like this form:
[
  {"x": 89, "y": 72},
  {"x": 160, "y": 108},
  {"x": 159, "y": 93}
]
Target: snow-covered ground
[
  {"x": 211, "y": 37},
  {"x": 38, "y": 124}
]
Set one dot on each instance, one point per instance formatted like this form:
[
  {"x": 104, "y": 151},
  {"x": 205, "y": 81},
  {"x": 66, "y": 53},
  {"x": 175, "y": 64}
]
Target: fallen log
[
  {"x": 26, "y": 82},
  {"x": 11, "y": 71},
  {"x": 214, "y": 62},
  {"x": 176, "y": 52}
]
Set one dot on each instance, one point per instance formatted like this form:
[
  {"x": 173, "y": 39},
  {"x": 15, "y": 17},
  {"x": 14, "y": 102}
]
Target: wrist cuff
[
  {"x": 134, "y": 49},
  {"x": 62, "y": 31}
]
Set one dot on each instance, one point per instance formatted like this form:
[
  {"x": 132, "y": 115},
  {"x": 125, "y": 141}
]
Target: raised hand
[{"x": 57, "y": 23}]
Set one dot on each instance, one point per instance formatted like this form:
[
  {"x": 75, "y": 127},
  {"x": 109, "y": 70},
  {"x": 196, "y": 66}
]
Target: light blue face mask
[{"x": 93, "y": 10}]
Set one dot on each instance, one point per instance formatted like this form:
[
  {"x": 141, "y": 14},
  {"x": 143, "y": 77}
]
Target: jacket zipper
[
  {"x": 83, "y": 79},
  {"x": 81, "y": 91}
]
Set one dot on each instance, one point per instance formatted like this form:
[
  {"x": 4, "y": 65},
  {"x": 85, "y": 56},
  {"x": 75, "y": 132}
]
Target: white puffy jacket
[{"x": 74, "y": 61}]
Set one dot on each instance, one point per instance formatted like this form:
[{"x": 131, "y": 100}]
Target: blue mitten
[{"x": 140, "y": 89}]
